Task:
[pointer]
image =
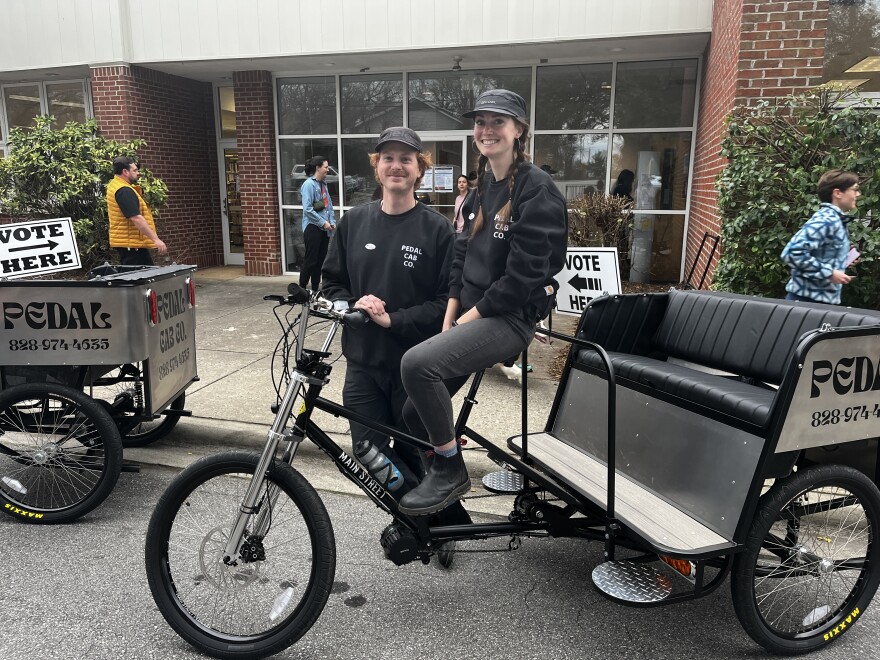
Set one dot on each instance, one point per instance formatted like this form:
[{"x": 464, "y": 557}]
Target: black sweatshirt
[
  {"x": 401, "y": 259},
  {"x": 510, "y": 266}
]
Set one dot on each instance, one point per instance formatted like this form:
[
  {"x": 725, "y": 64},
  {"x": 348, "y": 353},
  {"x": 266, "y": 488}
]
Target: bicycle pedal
[{"x": 504, "y": 482}]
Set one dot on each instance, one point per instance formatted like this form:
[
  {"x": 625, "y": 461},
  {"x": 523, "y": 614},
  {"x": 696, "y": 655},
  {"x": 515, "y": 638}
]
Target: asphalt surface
[{"x": 79, "y": 590}]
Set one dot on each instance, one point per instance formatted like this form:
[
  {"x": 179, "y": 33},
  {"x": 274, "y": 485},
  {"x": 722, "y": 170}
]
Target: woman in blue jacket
[{"x": 318, "y": 221}]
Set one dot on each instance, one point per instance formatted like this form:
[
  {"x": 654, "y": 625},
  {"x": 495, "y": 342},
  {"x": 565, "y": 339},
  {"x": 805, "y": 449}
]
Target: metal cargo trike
[
  {"x": 87, "y": 367},
  {"x": 697, "y": 436}
]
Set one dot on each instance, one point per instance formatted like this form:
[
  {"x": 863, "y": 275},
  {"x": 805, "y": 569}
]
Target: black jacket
[
  {"x": 402, "y": 259},
  {"x": 503, "y": 269}
]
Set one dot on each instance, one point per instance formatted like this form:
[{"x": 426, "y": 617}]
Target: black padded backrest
[
  {"x": 745, "y": 335},
  {"x": 623, "y": 323}
]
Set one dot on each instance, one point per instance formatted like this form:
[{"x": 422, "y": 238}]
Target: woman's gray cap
[{"x": 502, "y": 101}]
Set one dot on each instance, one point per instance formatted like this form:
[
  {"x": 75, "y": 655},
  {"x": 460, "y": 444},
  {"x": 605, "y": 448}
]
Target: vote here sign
[
  {"x": 37, "y": 247},
  {"x": 588, "y": 272}
]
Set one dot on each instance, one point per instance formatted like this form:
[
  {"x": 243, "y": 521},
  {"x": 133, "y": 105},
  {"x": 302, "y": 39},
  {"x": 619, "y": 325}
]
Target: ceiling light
[
  {"x": 616, "y": 49},
  {"x": 366, "y": 68},
  {"x": 867, "y": 65},
  {"x": 456, "y": 59}
]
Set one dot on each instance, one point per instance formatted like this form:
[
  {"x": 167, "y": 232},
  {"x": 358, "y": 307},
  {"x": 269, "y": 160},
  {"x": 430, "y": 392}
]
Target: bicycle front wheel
[{"x": 279, "y": 583}]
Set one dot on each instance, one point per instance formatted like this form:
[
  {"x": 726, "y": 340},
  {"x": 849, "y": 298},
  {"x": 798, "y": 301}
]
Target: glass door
[
  {"x": 233, "y": 241},
  {"x": 438, "y": 187}
]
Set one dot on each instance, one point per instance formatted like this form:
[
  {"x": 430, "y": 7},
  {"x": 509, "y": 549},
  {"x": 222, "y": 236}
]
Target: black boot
[{"x": 446, "y": 481}]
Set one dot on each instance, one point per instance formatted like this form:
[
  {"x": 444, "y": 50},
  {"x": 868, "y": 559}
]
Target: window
[
  {"x": 576, "y": 162},
  {"x": 226, "y": 98},
  {"x": 360, "y": 183},
  {"x": 307, "y": 106},
  {"x": 573, "y": 97},
  {"x": 294, "y": 156},
  {"x": 371, "y": 104},
  {"x": 66, "y": 102},
  {"x": 655, "y": 94},
  {"x": 852, "y": 45},
  {"x": 21, "y": 103},
  {"x": 438, "y": 99},
  {"x": 660, "y": 163}
]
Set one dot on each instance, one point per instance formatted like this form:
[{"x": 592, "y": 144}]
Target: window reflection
[
  {"x": 22, "y": 104},
  {"x": 294, "y": 247},
  {"x": 577, "y": 163},
  {"x": 437, "y": 99},
  {"x": 573, "y": 97},
  {"x": 655, "y": 254},
  {"x": 853, "y": 36},
  {"x": 370, "y": 104},
  {"x": 294, "y": 155},
  {"x": 360, "y": 181},
  {"x": 306, "y": 105},
  {"x": 66, "y": 102},
  {"x": 660, "y": 162},
  {"x": 655, "y": 94}
]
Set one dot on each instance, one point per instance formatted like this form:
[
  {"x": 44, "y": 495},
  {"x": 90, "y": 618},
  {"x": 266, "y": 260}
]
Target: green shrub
[
  {"x": 63, "y": 172},
  {"x": 777, "y": 152}
]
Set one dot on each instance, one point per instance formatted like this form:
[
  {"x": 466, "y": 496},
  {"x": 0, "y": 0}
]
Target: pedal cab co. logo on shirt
[{"x": 411, "y": 255}]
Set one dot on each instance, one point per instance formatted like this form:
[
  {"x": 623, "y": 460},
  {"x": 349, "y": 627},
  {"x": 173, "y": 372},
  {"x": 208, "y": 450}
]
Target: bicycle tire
[
  {"x": 183, "y": 557},
  {"x": 60, "y": 453},
  {"x": 124, "y": 386},
  {"x": 810, "y": 564}
]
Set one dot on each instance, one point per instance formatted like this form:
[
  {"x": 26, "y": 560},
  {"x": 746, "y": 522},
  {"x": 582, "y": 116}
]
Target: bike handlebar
[{"x": 351, "y": 318}]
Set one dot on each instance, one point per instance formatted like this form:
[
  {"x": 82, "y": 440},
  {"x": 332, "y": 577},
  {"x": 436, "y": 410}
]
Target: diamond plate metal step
[
  {"x": 504, "y": 482},
  {"x": 632, "y": 582}
]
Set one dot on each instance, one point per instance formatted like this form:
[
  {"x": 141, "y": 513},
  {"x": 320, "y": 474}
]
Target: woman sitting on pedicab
[{"x": 501, "y": 284}]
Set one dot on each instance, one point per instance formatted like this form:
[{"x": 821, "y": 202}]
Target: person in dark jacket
[
  {"x": 501, "y": 283},
  {"x": 391, "y": 259}
]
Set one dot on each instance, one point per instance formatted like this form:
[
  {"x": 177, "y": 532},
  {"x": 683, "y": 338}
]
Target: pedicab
[
  {"x": 697, "y": 436},
  {"x": 88, "y": 367}
]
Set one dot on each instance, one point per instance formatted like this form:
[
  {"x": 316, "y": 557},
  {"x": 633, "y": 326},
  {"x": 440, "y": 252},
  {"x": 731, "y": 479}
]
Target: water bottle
[{"x": 378, "y": 465}]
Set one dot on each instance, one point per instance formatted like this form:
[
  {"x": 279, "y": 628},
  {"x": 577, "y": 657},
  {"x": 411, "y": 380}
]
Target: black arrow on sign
[
  {"x": 579, "y": 283},
  {"x": 51, "y": 245}
]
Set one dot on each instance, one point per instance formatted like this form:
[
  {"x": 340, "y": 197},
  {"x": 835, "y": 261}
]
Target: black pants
[
  {"x": 316, "y": 241},
  {"x": 379, "y": 395},
  {"x": 135, "y": 256}
]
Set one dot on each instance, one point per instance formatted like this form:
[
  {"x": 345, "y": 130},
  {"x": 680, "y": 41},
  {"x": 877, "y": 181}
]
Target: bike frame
[{"x": 308, "y": 380}]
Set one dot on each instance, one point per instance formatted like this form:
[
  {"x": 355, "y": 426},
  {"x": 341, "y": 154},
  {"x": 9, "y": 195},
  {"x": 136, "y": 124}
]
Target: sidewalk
[{"x": 236, "y": 336}]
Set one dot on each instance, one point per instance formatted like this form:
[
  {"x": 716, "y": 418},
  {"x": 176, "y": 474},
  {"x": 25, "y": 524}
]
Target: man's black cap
[
  {"x": 502, "y": 101},
  {"x": 400, "y": 134}
]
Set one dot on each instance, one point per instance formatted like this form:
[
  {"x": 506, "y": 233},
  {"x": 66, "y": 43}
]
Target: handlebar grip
[
  {"x": 297, "y": 293},
  {"x": 278, "y": 299},
  {"x": 356, "y": 318}
]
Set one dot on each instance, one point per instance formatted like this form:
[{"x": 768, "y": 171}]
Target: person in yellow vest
[{"x": 132, "y": 229}]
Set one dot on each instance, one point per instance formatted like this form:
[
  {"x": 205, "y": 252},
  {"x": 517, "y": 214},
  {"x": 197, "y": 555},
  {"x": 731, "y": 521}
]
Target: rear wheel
[
  {"x": 276, "y": 587},
  {"x": 60, "y": 453},
  {"x": 810, "y": 565}
]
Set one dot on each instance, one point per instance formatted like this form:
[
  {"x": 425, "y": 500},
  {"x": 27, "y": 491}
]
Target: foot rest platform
[{"x": 665, "y": 527}]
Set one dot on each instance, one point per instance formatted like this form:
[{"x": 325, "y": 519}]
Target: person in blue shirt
[
  {"x": 318, "y": 222},
  {"x": 817, "y": 253}
]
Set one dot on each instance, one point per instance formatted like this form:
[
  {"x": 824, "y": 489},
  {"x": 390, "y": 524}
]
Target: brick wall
[
  {"x": 258, "y": 177},
  {"x": 175, "y": 116},
  {"x": 758, "y": 50}
]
